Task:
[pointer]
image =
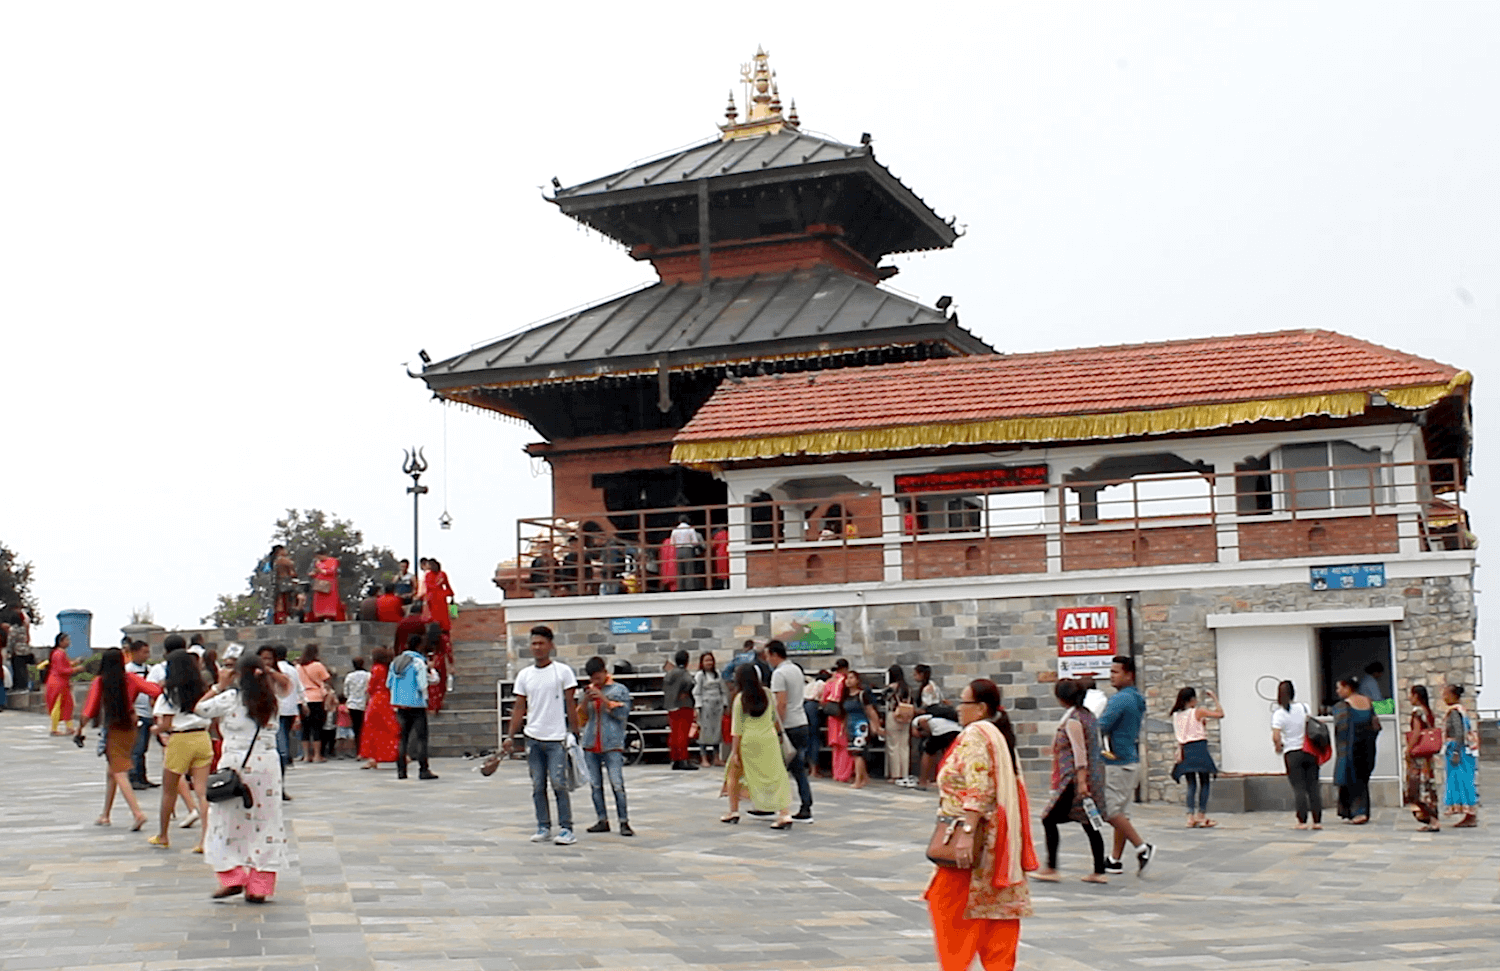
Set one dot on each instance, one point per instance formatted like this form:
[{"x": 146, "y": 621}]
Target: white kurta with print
[{"x": 237, "y": 836}]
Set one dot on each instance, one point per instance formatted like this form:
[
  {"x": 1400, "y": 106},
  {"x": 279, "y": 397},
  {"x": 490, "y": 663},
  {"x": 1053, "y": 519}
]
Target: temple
[{"x": 851, "y": 470}]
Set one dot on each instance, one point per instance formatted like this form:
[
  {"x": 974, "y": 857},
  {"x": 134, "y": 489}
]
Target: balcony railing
[{"x": 852, "y": 536}]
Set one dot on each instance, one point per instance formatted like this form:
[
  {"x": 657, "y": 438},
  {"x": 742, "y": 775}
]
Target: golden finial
[
  {"x": 791, "y": 118},
  {"x": 733, "y": 111},
  {"x": 762, "y": 101}
]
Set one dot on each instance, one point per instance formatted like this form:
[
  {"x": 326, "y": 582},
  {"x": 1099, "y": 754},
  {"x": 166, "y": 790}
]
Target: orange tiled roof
[{"x": 1098, "y": 392}]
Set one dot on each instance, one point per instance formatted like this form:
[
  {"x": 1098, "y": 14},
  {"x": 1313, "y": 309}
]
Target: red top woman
[
  {"x": 60, "y": 671},
  {"x": 325, "y": 588},
  {"x": 437, "y": 593},
  {"x": 437, "y": 614},
  {"x": 377, "y": 742}
]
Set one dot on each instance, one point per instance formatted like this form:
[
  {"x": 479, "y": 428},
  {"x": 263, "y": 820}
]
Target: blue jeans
[
  {"x": 798, "y": 737},
  {"x": 811, "y": 751},
  {"x": 546, "y": 760},
  {"x": 614, "y": 764},
  {"x": 284, "y": 740},
  {"x": 1198, "y": 790},
  {"x": 138, "y": 754}
]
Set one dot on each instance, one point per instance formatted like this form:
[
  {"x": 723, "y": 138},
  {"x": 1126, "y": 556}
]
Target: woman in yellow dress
[{"x": 755, "y": 767}]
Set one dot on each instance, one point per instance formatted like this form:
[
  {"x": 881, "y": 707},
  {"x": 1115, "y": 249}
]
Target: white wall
[{"x": 1252, "y": 660}]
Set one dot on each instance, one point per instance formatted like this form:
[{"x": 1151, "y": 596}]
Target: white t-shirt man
[
  {"x": 142, "y": 700},
  {"x": 357, "y": 689},
  {"x": 1292, "y": 724},
  {"x": 788, "y": 678},
  {"x": 546, "y": 710},
  {"x": 686, "y": 535},
  {"x": 290, "y": 703}
]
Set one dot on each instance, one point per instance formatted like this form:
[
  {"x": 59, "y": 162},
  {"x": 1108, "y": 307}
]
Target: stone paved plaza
[{"x": 440, "y": 875}]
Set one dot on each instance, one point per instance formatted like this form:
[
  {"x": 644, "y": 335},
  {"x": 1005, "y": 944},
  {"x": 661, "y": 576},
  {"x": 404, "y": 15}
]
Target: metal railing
[{"x": 1076, "y": 524}]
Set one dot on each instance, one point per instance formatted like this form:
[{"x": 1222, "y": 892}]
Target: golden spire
[{"x": 762, "y": 102}]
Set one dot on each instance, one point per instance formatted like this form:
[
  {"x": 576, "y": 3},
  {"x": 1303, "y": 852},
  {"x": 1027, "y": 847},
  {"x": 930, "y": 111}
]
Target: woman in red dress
[
  {"x": 325, "y": 585},
  {"x": 60, "y": 671},
  {"x": 377, "y": 743},
  {"x": 435, "y": 611}
]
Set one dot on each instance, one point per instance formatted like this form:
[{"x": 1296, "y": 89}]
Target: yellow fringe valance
[
  {"x": 1060, "y": 428},
  {"x": 1426, "y": 395}
]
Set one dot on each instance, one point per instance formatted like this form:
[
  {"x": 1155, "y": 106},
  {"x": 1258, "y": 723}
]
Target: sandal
[
  {"x": 139, "y": 822},
  {"x": 1046, "y": 876},
  {"x": 157, "y": 841},
  {"x": 730, "y": 818},
  {"x": 103, "y": 821},
  {"x": 1208, "y": 824},
  {"x": 223, "y": 892}
]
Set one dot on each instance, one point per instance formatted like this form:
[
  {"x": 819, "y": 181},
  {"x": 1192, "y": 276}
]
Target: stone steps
[{"x": 469, "y": 721}]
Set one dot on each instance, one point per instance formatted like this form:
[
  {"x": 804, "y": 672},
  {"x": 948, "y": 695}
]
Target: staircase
[{"x": 468, "y": 721}]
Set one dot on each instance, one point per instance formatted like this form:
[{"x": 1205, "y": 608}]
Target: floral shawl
[{"x": 977, "y": 776}]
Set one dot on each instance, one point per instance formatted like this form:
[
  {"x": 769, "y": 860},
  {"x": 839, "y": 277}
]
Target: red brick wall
[
  {"x": 483, "y": 623},
  {"x": 573, "y": 492},
  {"x": 838, "y": 564},
  {"x": 952, "y": 558},
  {"x": 1314, "y": 537},
  {"x": 1114, "y": 549}
]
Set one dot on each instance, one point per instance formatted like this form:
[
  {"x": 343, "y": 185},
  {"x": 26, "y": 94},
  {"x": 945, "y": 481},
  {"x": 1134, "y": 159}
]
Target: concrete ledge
[{"x": 1272, "y": 793}]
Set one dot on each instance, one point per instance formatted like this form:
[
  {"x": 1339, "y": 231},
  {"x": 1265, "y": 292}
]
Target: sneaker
[
  {"x": 1113, "y": 866},
  {"x": 1143, "y": 856},
  {"x": 625, "y": 829},
  {"x": 542, "y": 835},
  {"x": 803, "y": 815},
  {"x": 565, "y": 837},
  {"x": 602, "y": 826}
]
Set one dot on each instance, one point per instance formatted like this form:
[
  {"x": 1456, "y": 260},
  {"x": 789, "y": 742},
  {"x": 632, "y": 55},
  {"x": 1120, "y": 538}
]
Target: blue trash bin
[{"x": 77, "y": 624}]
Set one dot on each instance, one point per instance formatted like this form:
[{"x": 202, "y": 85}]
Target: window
[{"x": 1309, "y": 483}]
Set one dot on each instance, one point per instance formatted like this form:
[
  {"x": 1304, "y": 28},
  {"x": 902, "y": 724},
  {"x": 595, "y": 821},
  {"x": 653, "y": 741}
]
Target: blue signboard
[
  {"x": 1356, "y": 576},
  {"x": 630, "y": 625}
]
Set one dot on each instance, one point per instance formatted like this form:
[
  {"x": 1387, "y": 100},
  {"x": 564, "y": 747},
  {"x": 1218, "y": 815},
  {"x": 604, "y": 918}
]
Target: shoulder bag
[
  {"x": 1424, "y": 742},
  {"x": 941, "y": 849},
  {"x": 226, "y": 784},
  {"x": 1315, "y": 739}
]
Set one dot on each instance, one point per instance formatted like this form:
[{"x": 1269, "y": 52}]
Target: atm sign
[{"x": 1086, "y": 641}]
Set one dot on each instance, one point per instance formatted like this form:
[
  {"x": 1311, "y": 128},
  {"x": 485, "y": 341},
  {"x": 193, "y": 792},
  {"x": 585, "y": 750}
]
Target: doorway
[{"x": 1353, "y": 652}]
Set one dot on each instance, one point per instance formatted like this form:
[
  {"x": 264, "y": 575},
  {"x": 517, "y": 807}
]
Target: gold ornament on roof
[{"x": 762, "y": 102}]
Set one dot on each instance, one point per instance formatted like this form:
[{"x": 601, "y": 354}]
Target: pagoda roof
[
  {"x": 1070, "y": 395},
  {"x": 799, "y": 313},
  {"x": 776, "y": 158}
]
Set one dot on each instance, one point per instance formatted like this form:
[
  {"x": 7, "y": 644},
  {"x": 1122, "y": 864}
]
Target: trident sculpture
[{"x": 414, "y": 463}]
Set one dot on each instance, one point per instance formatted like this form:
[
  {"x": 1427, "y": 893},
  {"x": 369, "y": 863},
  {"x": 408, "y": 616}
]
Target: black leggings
[
  {"x": 312, "y": 724},
  {"x": 1059, "y": 814},
  {"x": 1302, "y": 773},
  {"x": 413, "y": 742}
]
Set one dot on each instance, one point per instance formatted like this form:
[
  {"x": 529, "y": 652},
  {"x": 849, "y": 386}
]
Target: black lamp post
[{"x": 414, "y": 464}]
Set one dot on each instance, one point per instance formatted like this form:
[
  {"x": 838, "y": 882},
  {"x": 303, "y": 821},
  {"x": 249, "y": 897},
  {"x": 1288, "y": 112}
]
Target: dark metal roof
[
  {"x": 780, "y": 158},
  {"x": 761, "y": 316},
  {"x": 784, "y": 149}
]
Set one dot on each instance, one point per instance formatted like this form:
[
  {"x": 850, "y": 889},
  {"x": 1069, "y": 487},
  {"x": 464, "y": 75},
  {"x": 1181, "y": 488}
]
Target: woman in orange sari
[
  {"x": 325, "y": 588},
  {"x": 60, "y": 671},
  {"x": 977, "y": 906}
]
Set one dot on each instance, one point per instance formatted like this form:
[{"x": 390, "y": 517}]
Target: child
[{"x": 344, "y": 744}]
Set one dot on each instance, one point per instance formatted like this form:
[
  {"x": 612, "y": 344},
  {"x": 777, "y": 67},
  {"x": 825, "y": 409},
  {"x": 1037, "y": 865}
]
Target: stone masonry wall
[{"x": 1013, "y": 642}]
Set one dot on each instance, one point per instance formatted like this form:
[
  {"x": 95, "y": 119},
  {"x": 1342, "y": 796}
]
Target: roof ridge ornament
[{"x": 763, "y": 114}]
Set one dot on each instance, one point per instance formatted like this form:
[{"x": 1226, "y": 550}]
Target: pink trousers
[{"x": 257, "y": 883}]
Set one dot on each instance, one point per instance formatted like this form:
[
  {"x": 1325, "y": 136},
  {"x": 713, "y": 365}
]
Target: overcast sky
[{"x": 226, "y": 229}]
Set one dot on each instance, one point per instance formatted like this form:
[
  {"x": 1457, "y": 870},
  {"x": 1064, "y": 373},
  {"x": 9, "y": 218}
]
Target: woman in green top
[{"x": 755, "y": 765}]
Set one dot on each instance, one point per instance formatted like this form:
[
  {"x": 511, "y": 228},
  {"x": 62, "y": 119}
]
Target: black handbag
[{"x": 226, "y": 784}]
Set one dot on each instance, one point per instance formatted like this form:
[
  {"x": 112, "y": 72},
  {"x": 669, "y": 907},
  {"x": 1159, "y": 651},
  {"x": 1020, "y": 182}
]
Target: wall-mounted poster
[
  {"x": 1086, "y": 641},
  {"x": 805, "y": 631},
  {"x": 1355, "y": 577}
]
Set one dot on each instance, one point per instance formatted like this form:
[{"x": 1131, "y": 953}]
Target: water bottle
[{"x": 1095, "y": 820}]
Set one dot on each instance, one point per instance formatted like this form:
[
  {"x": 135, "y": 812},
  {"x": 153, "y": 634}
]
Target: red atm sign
[{"x": 1086, "y": 641}]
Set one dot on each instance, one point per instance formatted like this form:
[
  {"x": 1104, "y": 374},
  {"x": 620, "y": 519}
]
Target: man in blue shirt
[{"x": 1121, "y": 726}]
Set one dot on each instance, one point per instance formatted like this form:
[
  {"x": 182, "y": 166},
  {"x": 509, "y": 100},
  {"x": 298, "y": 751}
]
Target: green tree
[
  {"x": 15, "y": 586},
  {"x": 304, "y": 533}
]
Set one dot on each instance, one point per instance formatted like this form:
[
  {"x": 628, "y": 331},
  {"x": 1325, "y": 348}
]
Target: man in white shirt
[
  {"x": 787, "y": 683},
  {"x": 357, "y": 691},
  {"x": 289, "y": 707},
  {"x": 544, "y": 700},
  {"x": 687, "y": 545}
]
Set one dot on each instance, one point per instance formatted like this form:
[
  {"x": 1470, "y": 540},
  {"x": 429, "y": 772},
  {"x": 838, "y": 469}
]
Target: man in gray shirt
[
  {"x": 137, "y": 653},
  {"x": 787, "y": 681},
  {"x": 677, "y": 699}
]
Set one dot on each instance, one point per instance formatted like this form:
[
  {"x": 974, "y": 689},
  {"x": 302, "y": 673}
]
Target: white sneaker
[
  {"x": 541, "y": 836},
  {"x": 565, "y": 838}
]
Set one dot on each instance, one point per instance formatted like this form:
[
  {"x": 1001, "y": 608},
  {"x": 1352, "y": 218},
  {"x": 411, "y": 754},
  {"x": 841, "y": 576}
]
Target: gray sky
[{"x": 224, "y": 229}]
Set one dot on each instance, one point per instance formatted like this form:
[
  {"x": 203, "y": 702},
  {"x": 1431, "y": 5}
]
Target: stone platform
[{"x": 439, "y": 875}]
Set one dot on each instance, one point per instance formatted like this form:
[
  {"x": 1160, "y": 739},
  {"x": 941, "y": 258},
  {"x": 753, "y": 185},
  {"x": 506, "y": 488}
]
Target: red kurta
[
  {"x": 326, "y": 606},
  {"x": 379, "y": 737},
  {"x": 60, "y": 673},
  {"x": 435, "y": 606}
]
